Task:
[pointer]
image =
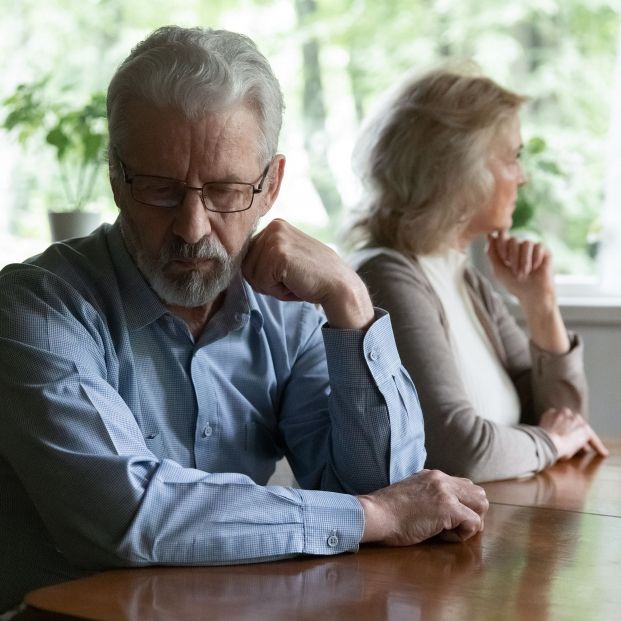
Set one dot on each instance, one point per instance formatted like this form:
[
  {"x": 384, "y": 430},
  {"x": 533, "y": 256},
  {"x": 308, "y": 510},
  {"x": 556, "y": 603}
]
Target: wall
[{"x": 600, "y": 327}]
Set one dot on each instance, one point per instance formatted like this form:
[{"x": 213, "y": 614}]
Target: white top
[{"x": 489, "y": 388}]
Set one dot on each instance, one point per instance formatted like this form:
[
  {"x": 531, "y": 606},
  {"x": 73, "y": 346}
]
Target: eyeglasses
[{"x": 219, "y": 196}]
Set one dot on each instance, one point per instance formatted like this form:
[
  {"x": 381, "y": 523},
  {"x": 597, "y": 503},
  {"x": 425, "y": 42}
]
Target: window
[{"x": 334, "y": 58}]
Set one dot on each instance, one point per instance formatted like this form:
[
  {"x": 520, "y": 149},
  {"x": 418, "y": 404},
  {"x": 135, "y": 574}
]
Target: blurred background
[{"x": 334, "y": 58}]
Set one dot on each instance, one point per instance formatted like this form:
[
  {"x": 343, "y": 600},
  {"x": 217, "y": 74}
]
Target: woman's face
[{"x": 504, "y": 164}]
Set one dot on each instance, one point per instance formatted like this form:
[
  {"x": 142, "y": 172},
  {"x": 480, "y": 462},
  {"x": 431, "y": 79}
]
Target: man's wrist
[
  {"x": 373, "y": 530},
  {"x": 349, "y": 307}
]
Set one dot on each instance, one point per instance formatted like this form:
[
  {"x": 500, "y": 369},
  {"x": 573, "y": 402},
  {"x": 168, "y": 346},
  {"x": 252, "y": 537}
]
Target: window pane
[{"x": 335, "y": 58}]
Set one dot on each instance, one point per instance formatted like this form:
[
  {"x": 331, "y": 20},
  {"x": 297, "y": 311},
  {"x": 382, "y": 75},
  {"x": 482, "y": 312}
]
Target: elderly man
[{"x": 153, "y": 372}]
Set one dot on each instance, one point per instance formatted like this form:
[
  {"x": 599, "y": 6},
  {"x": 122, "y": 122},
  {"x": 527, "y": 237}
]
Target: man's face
[{"x": 187, "y": 253}]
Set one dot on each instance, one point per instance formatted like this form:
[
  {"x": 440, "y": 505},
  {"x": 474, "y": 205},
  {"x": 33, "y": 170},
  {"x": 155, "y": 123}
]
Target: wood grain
[{"x": 551, "y": 550}]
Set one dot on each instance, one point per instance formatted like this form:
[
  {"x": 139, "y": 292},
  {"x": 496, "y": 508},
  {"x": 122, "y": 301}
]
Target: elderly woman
[{"x": 440, "y": 162}]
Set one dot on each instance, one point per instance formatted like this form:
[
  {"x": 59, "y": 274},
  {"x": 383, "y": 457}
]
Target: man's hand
[
  {"x": 424, "y": 505},
  {"x": 285, "y": 263}
]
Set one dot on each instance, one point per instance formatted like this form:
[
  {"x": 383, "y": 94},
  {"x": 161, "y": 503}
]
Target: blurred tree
[
  {"x": 314, "y": 111},
  {"x": 336, "y": 57}
]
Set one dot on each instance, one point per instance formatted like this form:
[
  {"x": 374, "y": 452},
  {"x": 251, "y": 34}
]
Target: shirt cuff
[
  {"x": 375, "y": 352},
  {"x": 333, "y": 523}
]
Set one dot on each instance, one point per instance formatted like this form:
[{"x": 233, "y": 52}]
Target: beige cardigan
[{"x": 458, "y": 441}]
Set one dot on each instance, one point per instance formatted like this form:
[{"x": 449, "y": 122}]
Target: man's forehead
[{"x": 226, "y": 132}]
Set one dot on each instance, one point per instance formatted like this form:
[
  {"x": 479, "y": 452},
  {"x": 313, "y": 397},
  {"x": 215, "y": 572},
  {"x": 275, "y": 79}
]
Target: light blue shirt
[{"x": 126, "y": 442}]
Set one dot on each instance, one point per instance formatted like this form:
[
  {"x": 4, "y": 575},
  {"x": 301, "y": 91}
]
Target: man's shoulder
[
  {"x": 64, "y": 257},
  {"x": 76, "y": 267}
]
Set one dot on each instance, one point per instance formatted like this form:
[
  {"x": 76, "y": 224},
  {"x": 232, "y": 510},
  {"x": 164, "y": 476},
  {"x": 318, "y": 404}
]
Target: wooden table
[{"x": 551, "y": 550}]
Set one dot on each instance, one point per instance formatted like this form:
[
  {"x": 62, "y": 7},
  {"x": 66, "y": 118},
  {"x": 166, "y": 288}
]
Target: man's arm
[
  {"x": 79, "y": 454},
  {"x": 287, "y": 264},
  {"x": 375, "y": 434}
]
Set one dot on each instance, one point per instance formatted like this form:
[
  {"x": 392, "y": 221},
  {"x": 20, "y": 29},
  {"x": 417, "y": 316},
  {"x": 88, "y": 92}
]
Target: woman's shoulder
[
  {"x": 392, "y": 275},
  {"x": 374, "y": 258}
]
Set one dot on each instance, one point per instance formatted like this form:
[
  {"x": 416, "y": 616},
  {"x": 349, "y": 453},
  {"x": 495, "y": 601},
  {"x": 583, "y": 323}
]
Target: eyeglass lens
[{"x": 170, "y": 193}]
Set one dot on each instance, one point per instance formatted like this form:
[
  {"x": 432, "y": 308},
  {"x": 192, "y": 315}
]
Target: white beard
[{"x": 191, "y": 288}]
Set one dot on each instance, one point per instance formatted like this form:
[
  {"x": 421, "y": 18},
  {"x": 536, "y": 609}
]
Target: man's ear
[
  {"x": 116, "y": 191},
  {"x": 273, "y": 180}
]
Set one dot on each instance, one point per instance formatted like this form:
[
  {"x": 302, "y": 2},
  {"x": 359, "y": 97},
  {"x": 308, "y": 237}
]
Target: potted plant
[{"x": 77, "y": 135}]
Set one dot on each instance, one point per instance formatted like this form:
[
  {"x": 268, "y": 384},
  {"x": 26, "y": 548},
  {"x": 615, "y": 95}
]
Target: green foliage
[
  {"x": 558, "y": 52},
  {"x": 76, "y": 134},
  {"x": 557, "y": 206},
  {"x": 542, "y": 174}
]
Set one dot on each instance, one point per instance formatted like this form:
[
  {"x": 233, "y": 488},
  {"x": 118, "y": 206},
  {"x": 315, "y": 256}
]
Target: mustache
[{"x": 206, "y": 248}]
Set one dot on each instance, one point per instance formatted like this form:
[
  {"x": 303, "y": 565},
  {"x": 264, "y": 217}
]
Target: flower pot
[{"x": 66, "y": 224}]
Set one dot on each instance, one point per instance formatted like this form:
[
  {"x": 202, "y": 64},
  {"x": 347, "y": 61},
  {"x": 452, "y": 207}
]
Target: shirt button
[
  {"x": 333, "y": 540},
  {"x": 207, "y": 431},
  {"x": 240, "y": 318},
  {"x": 374, "y": 354}
]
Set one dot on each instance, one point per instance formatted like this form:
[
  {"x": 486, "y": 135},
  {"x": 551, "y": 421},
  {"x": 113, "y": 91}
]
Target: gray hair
[
  {"x": 196, "y": 71},
  {"x": 423, "y": 159}
]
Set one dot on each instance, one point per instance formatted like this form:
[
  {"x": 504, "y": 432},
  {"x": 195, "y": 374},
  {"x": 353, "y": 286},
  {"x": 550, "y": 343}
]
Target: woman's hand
[
  {"x": 570, "y": 433},
  {"x": 524, "y": 268}
]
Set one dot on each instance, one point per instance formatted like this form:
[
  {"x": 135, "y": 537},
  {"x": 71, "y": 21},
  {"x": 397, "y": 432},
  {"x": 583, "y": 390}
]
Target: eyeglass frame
[{"x": 257, "y": 187}]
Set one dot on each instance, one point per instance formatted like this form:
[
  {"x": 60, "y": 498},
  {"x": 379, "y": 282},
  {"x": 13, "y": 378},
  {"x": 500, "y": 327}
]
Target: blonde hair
[{"x": 423, "y": 159}]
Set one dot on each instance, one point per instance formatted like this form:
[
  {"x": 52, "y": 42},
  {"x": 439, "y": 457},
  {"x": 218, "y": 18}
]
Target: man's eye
[{"x": 223, "y": 190}]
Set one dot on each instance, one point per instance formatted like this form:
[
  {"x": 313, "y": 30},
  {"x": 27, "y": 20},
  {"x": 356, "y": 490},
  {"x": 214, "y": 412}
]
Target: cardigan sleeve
[
  {"x": 543, "y": 379},
  {"x": 458, "y": 440}
]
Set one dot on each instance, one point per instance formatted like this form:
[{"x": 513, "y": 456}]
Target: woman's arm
[
  {"x": 525, "y": 269},
  {"x": 557, "y": 387},
  {"x": 458, "y": 440},
  {"x": 556, "y": 377}
]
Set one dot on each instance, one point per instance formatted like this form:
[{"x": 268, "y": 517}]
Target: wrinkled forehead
[
  {"x": 219, "y": 145},
  {"x": 155, "y": 129}
]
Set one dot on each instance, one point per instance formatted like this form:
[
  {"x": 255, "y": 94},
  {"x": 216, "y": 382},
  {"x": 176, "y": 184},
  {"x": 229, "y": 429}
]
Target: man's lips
[{"x": 195, "y": 263}]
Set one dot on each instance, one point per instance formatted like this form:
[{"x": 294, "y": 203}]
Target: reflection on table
[
  {"x": 550, "y": 550},
  {"x": 587, "y": 483}
]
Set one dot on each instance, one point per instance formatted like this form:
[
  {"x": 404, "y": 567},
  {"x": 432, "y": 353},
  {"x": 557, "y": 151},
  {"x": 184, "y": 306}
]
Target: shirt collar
[
  {"x": 141, "y": 303},
  {"x": 240, "y": 306},
  {"x": 256, "y": 316}
]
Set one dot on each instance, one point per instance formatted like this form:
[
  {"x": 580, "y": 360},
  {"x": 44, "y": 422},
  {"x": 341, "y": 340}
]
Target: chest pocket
[{"x": 155, "y": 443}]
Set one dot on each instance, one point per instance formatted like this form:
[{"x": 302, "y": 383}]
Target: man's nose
[{"x": 192, "y": 221}]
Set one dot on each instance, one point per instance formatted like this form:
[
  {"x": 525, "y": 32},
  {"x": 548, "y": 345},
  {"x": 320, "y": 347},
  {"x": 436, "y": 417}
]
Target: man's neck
[{"x": 196, "y": 318}]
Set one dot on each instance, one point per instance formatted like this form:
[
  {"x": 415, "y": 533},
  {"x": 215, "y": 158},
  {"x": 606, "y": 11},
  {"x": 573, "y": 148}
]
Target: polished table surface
[{"x": 551, "y": 549}]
